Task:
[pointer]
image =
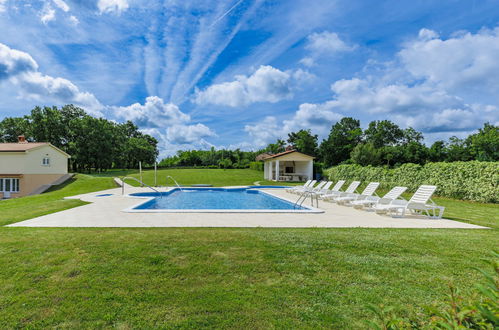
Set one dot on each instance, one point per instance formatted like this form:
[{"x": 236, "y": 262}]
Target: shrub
[
  {"x": 474, "y": 180},
  {"x": 257, "y": 166}
]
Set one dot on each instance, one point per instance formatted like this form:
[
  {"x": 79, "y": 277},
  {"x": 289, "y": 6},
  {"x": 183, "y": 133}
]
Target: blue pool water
[{"x": 214, "y": 199}]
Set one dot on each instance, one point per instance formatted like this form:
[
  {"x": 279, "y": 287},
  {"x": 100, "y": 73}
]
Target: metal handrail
[
  {"x": 304, "y": 196},
  {"x": 145, "y": 184},
  {"x": 171, "y": 177}
]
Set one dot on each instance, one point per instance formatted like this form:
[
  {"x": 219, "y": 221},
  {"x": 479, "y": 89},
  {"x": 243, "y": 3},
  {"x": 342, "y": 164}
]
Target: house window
[
  {"x": 9, "y": 185},
  {"x": 46, "y": 161}
]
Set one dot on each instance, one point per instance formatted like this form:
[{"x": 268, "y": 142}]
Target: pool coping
[{"x": 133, "y": 209}]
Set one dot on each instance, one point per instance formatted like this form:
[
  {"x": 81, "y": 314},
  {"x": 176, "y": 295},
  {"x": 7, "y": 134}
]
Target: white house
[
  {"x": 30, "y": 168},
  {"x": 290, "y": 165}
]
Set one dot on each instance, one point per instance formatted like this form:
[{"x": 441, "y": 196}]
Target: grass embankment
[
  {"x": 19, "y": 209},
  {"x": 226, "y": 278}
]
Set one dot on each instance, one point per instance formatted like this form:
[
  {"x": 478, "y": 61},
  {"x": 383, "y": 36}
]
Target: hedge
[
  {"x": 474, "y": 180},
  {"x": 257, "y": 166}
]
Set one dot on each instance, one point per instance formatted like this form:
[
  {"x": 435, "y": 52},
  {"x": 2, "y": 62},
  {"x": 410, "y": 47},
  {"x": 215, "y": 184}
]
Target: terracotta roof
[
  {"x": 287, "y": 152},
  {"x": 20, "y": 147},
  {"x": 263, "y": 156}
]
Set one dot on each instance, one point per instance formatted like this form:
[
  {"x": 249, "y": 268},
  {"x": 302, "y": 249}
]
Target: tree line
[
  {"x": 382, "y": 143},
  {"x": 100, "y": 144},
  {"x": 93, "y": 143}
]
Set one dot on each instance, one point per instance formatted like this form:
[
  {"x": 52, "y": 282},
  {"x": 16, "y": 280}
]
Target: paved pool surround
[{"x": 107, "y": 211}]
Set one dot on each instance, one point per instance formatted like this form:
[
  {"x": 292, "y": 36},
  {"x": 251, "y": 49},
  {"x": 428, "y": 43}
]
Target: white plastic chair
[
  {"x": 298, "y": 187},
  {"x": 420, "y": 203},
  {"x": 335, "y": 194},
  {"x": 370, "y": 201},
  {"x": 368, "y": 191}
]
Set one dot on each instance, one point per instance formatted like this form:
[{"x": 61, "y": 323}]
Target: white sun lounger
[
  {"x": 299, "y": 187},
  {"x": 370, "y": 201},
  {"x": 367, "y": 192},
  {"x": 325, "y": 190},
  {"x": 319, "y": 186},
  {"x": 302, "y": 189},
  {"x": 420, "y": 203},
  {"x": 335, "y": 194}
]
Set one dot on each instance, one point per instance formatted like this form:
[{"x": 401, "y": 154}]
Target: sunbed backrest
[
  {"x": 423, "y": 194},
  {"x": 352, "y": 187},
  {"x": 370, "y": 189},
  {"x": 327, "y": 185},
  {"x": 307, "y": 183},
  {"x": 395, "y": 192},
  {"x": 312, "y": 183},
  {"x": 320, "y": 185},
  {"x": 338, "y": 185}
]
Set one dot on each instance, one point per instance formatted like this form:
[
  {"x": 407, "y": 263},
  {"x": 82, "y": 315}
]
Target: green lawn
[
  {"x": 215, "y": 177},
  {"x": 226, "y": 278},
  {"x": 15, "y": 210}
]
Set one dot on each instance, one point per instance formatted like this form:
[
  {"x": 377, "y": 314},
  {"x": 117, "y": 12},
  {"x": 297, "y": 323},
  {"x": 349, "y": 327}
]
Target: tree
[
  {"x": 383, "y": 133},
  {"x": 12, "y": 127},
  {"x": 304, "y": 141},
  {"x": 366, "y": 154},
  {"x": 438, "y": 151},
  {"x": 275, "y": 148},
  {"x": 484, "y": 145},
  {"x": 458, "y": 150},
  {"x": 342, "y": 139}
]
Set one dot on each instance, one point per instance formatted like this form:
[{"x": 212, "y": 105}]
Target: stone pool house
[
  {"x": 290, "y": 165},
  {"x": 29, "y": 168}
]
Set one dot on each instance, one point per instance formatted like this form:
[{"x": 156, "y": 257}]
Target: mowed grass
[
  {"x": 215, "y": 177},
  {"x": 223, "y": 277},
  {"x": 18, "y": 209},
  {"x": 229, "y": 278}
]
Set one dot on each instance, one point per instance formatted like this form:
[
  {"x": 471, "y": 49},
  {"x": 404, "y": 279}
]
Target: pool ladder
[
  {"x": 142, "y": 183},
  {"x": 171, "y": 177},
  {"x": 304, "y": 196}
]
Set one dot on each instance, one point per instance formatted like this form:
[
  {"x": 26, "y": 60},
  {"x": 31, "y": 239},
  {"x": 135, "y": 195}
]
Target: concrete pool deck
[{"x": 107, "y": 211}]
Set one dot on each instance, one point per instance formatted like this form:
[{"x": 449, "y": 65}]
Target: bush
[
  {"x": 257, "y": 166},
  {"x": 474, "y": 180}
]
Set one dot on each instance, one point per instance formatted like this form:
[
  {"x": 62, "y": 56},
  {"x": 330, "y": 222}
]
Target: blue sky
[{"x": 242, "y": 73}]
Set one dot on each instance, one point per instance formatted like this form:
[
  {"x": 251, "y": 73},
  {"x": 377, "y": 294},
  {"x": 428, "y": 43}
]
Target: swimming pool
[{"x": 216, "y": 200}]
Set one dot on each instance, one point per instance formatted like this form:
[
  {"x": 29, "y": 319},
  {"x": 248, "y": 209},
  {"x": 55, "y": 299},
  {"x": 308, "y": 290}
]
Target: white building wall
[
  {"x": 12, "y": 162},
  {"x": 30, "y": 162},
  {"x": 305, "y": 168}
]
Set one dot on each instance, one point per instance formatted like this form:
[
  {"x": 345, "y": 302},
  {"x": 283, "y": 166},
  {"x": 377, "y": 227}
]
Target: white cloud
[
  {"x": 61, "y": 5},
  {"x": 14, "y": 62},
  {"x": 21, "y": 69},
  {"x": 3, "y": 6},
  {"x": 153, "y": 113},
  {"x": 173, "y": 128},
  {"x": 264, "y": 132},
  {"x": 324, "y": 44},
  {"x": 465, "y": 63},
  {"x": 74, "y": 20},
  {"x": 188, "y": 134},
  {"x": 112, "y": 6},
  {"x": 267, "y": 84},
  {"x": 327, "y": 43},
  {"x": 381, "y": 97},
  {"x": 35, "y": 85},
  {"x": 47, "y": 14},
  {"x": 317, "y": 117}
]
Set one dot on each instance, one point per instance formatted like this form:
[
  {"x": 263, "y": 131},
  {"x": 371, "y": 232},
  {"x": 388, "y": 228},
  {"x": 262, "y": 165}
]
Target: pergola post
[{"x": 277, "y": 170}]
